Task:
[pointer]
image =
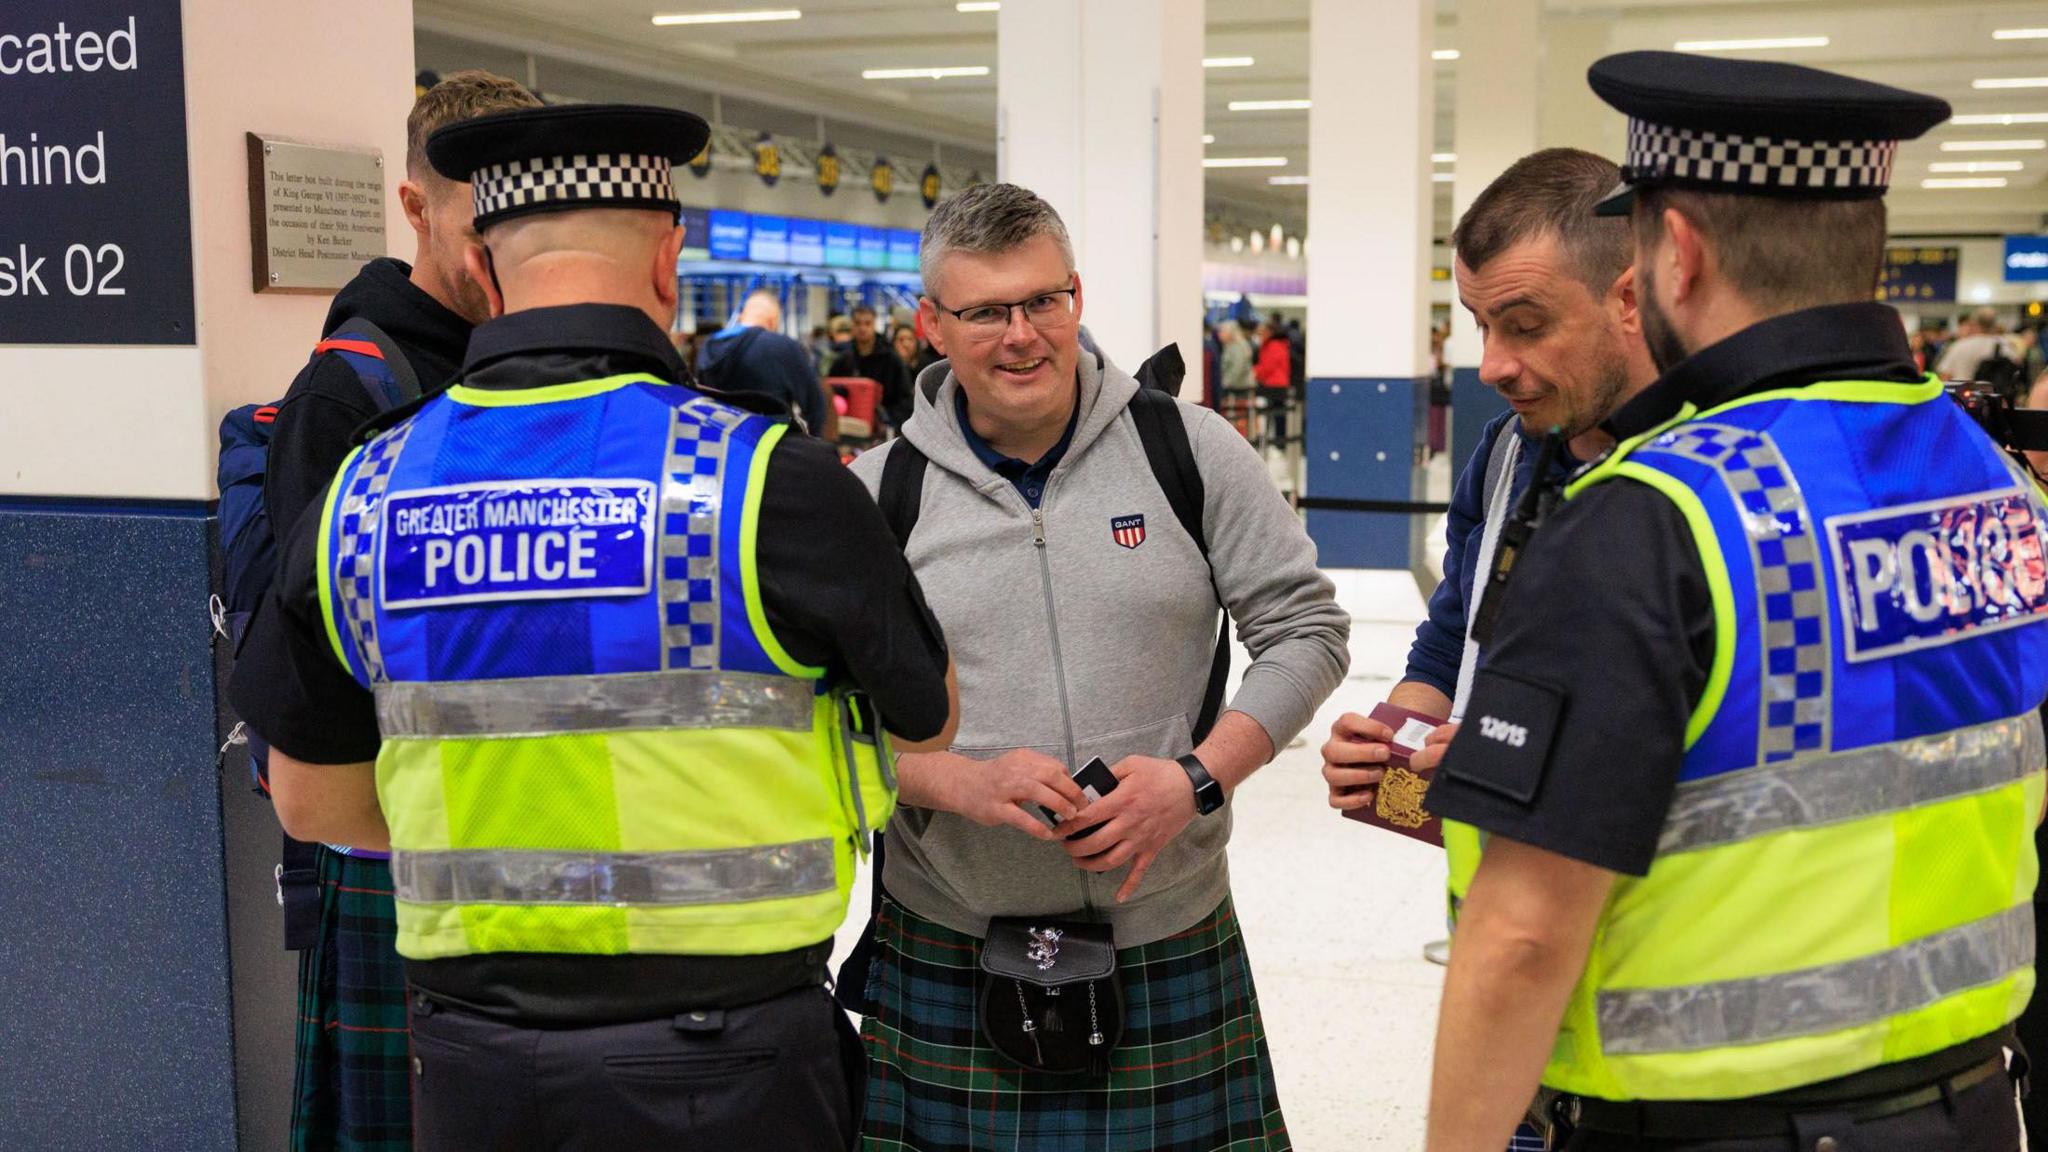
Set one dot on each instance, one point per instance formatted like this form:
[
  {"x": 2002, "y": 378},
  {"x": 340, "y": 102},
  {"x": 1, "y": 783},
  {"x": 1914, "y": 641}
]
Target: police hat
[
  {"x": 564, "y": 158},
  {"x": 1755, "y": 127}
]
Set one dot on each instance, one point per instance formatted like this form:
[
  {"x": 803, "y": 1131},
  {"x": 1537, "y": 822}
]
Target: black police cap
[
  {"x": 1756, "y": 127},
  {"x": 569, "y": 157}
]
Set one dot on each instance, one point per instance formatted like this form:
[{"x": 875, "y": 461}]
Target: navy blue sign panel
[
  {"x": 1927, "y": 274},
  {"x": 1922, "y": 575},
  {"x": 95, "y": 208},
  {"x": 2026, "y": 257},
  {"x": 529, "y": 540}
]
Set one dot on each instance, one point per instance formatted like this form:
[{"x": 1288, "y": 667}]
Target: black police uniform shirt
[
  {"x": 836, "y": 591},
  {"x": 1606, "y": 632},
  {"x": 317, "y": 419}
]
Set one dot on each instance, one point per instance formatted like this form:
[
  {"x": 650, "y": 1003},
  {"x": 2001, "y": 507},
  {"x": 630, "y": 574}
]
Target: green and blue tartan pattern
[
  {"x": 1193, "y": 1073},
  {"x": 351, "y": 1091}
]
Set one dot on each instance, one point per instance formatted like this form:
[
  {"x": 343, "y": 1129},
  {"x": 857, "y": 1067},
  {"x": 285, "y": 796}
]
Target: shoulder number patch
[
  {"x": 517, "y": 540},
  {"x": 1931, "y": 573},
  {"x": 1504, "y": 746}
]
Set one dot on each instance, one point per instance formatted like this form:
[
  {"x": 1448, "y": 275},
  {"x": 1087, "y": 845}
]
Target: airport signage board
[
  {"x": 842, "y": 245},
  {"x": 2026, "y": 257},
  {"x": 721, "y": 234},
  {"x": 730, "y": 234},
  {"x": 696, "y": 224},
  {"x": 768, "y": 242},
  {"x": 874, "y": 247},
  {"x": 902, "y": 250},
  {"x": 806, "y": 241},
  {"x": 1923, "y": 275},
  {"x": 95, "y": 201}
]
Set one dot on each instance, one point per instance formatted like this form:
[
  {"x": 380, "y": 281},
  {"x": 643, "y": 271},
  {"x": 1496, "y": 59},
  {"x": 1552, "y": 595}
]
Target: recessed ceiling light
[
  {"x": 978, "y": 6},
  {"x": 755, "y": 16},
  {"x": 1755, "y": 44},
  {"x": 1976, "y": 166},
  {"x": 1993, "y": 145},
  {"x": 1965, "y": 182},
  {"x": 1228, "y": 62},
  {"x": 2001, "y": 118},
  {"x": 1442, "y": 177},
  {"x": 1293, "y": 180},
  {"x": 2020, "y": 34},
  {"x": 1443, "y": 157},
  {"x": 1268, "y": 105},
  {"x": 921, "y": 73},
  {"x": 1244, "y": 162},
  {"x": 1444, "y": 54},
  {"x": 1208, "y": 139},
  {"x": 2010, "y": 82}
]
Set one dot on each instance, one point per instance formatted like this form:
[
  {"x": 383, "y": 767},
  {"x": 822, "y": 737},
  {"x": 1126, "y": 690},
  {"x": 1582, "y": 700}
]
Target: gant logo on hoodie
[{"x": 1129, "y": 531}]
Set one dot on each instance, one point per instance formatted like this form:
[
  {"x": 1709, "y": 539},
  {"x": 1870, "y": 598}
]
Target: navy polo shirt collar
[
  {"x": 615, "y": 332},
  {"x": 1029, "y": 478}
]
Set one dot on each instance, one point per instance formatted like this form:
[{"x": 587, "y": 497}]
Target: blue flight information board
[
  {"x": 760, "y": 239},
  {"x": 842, "y": 245},
  {"x": 729, "y": 235},
  {"x": 902, "y": 250},
  {"x": 2026, "y": 257},
  {"x": 806, "y": 241},
  {"x": 768, "y": 243}
]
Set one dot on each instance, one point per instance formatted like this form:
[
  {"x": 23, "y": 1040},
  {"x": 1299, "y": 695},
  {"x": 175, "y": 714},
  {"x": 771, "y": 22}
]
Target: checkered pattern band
[
  {"x": 586, "y": 180},
  {"x": 362, "y": 512},
  {"x": 691, "y": 492},
  {"x": 1762, "y": 163},
  {"x": 1793, "y": 612}
]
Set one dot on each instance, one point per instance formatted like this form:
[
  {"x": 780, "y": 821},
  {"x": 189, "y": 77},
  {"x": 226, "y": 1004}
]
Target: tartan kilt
[
  {"x": 1192, "y": 1074},
  {"x": 351, "y": 1090}
]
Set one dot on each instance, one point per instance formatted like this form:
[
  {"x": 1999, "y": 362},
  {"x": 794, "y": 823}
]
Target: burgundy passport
[{"x": 1400, "y": 804}]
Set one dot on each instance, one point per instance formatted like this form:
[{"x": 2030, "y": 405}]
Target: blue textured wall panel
[
  {"x": 1363, "y": 436},
  {"x": 1472, "y": 405},
  {"x": 115, "y": 1025}
]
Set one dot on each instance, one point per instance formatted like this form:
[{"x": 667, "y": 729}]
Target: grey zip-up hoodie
[{"x": 1067, "y": 642}]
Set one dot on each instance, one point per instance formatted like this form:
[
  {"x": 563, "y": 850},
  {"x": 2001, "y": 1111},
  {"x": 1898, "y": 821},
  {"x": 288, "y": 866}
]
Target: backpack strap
[
  {"x": 1172, "y": 457},
  {"x": 902, "y": 494},
  {"x": 362, "y": 338}
]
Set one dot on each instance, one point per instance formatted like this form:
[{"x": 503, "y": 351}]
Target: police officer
[
  {"x": 1740, "y": 815},
  {"x": 601, "y": 635}
]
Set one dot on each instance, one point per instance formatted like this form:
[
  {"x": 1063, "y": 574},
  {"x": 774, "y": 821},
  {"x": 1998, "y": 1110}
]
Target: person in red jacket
[{"x": 1274, "y": 370}]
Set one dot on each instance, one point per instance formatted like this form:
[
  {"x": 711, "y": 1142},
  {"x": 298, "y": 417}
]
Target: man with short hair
[
  {"x": 752, "y": 355},
  {"x": 1740, "y": 826},
  {"x": 611, "y": 666},
  {"x": 869, "y": 357},
  {"x": 1084, "y": 617},
  {"x": 351, "y": 1091},
  {"x": 1551, "y": 289}
]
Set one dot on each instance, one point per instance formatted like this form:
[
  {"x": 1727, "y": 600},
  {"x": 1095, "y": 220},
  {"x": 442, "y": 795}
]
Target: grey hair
[{"x": 988, "y": 218}]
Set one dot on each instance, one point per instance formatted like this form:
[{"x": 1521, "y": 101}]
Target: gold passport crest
[{"x": 1400, "y": 798}]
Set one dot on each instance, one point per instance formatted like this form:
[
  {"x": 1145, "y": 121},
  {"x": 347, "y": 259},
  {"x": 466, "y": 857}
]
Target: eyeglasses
[{"x": 1046, "y": 311}]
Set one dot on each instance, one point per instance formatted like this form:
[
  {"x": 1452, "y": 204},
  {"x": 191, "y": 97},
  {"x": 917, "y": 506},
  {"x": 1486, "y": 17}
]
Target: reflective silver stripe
[
  {"x": 1644, "y": 1021},
  {"x": 616, "y": 879},
  {"x": 549, "y": 705},
  {"x": 1829, "y": 789}
]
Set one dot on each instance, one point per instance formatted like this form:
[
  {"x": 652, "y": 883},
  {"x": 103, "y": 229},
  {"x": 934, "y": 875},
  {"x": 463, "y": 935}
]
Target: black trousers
[
  {"x": 2032, "y": 1027},
  {"x": 780, "y": 1074},
  {"x": 1979, "y": 1119}
]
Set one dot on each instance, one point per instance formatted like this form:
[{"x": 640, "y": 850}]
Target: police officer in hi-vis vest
[
  {"x": 1740, "y": 817},
  {"x": 587, "y": 649}
]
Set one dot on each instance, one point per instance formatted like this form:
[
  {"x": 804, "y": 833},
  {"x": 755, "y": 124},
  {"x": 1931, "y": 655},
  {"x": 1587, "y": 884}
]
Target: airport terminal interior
[{"x": 1270, "y": 187}]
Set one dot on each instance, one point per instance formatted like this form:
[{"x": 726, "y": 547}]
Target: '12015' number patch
[
  {"x": 1926, "y": 574},
  {"x": 523, "y": 540}
]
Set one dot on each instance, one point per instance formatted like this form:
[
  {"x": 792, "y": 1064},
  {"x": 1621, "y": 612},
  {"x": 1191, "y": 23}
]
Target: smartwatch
[{"x": 1208, "y": 793}]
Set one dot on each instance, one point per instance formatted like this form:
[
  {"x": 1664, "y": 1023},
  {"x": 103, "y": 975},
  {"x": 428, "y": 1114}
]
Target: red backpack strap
[{"x": 359, "y": 347}]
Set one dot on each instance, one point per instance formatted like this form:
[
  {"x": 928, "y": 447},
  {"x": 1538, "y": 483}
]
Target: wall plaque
[{"x": 316, "y": 213}]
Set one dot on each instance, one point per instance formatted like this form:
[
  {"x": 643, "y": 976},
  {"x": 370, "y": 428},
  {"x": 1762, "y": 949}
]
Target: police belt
[{"x": 1772, "y": 1115}]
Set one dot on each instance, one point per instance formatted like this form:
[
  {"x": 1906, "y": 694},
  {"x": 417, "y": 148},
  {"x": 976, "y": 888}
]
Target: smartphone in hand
[{"x": 1096, "y": 781}]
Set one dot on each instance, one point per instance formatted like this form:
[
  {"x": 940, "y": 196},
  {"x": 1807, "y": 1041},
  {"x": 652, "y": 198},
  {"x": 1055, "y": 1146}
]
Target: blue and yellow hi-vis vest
[
  {"x": 592, "y": 741},
  {"x": 1845, "y": 876}
]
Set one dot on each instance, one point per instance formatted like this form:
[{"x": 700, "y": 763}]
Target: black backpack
[
  {"x": 1172, "y": 458},
  {"x": 2001, "y": 372}
]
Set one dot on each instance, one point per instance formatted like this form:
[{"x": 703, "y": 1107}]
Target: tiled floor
[{"x": 1336, "y": 914}]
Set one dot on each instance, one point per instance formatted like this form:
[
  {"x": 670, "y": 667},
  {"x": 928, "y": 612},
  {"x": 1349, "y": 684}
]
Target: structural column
[
  {"x": 1369, "y": 208},
  {"x": 148, "y": 1000},
  {"x": 1099, "y": 110},
  {"x": 1495, "y": 117}
]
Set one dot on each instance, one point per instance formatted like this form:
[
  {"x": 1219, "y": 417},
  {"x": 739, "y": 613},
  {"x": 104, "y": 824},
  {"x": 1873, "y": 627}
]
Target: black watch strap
[{"x": 1208, "y": 793}]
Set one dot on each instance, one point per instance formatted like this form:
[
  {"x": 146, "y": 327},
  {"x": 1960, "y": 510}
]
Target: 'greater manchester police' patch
[
  {"x": 1926, "y": 574},
  {"x": 517, "y": 540}
]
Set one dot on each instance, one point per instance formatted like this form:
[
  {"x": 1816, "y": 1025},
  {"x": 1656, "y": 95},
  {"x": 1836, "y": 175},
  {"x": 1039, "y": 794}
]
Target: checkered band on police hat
[
  {"x": 1819, "y": 168},
  {"x": 581, "y": 181}
]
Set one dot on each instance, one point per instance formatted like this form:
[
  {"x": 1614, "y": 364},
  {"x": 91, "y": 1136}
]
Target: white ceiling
[{"x": 812, "y": 67}]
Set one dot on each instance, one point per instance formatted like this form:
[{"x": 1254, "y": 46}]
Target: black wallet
[{"x": 1051, "y": 1000}]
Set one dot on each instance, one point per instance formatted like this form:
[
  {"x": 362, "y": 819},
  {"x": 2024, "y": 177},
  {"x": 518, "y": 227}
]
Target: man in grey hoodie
[{"x": 1081, "y": 617}]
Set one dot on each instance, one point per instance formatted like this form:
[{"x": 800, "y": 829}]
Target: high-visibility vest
[
  {"x": 1845, "y": 877},
  {"x": 592, "y": 741}
]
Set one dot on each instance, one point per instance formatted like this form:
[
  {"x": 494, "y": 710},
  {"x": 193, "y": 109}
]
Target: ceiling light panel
[
  {"x": 1964, "y": 182},
  {"x": 922, "y": 73},
  {"x": 2010, "y": 82},
  {"x": 2020, "y": 34},
  {"x": 1268, "y": 105},
  {"x": 1756, "y": 44},
  {"x": 1228, "y": 62},
  {"x": 978, "y": 6},
  {"x": 1444, "y": 54},
  {"x": 1244, "y": 162},
  {"x": 2000, "y": 119},
  {"x": 753, "y": 16},
  {"x": 1977, "y": 166},
  {"x": 1993, "y": 145}
]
